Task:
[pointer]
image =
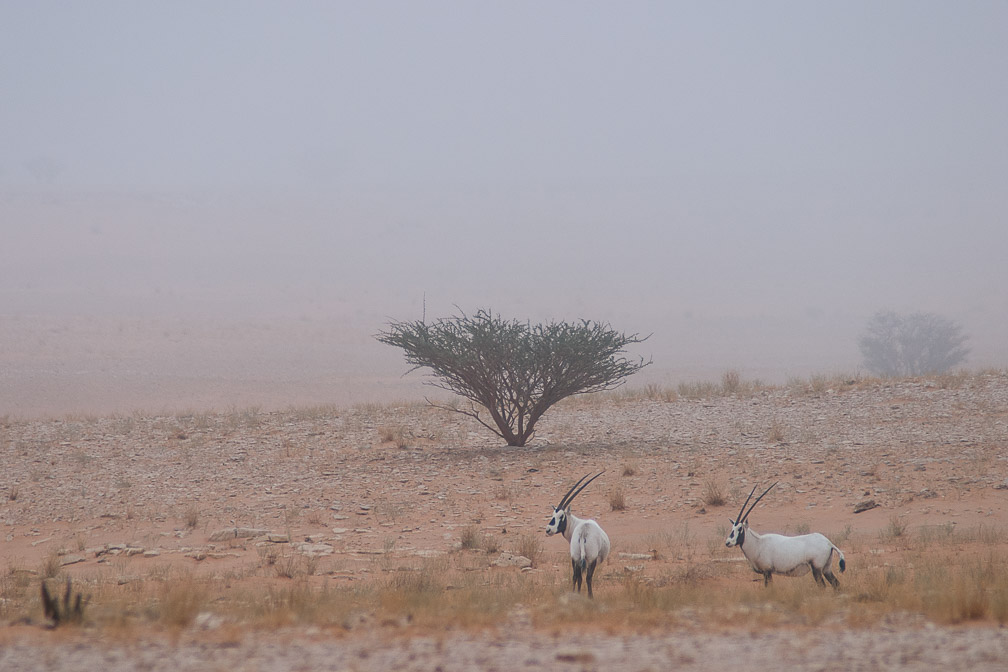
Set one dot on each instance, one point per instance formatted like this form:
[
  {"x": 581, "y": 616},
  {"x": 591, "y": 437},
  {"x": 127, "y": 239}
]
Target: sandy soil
[{"x": 120, "y": 495}]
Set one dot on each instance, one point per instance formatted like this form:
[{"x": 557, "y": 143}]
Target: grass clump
[
  {"x": 617, "y": 500},
  {"x": 471, "y": 538},
  {"x": 713, "y": 495},
  {"x": 529, "y": 546}
]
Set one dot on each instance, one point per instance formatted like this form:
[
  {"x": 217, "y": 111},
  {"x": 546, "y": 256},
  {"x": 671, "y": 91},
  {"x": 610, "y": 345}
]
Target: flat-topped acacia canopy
[{"x": 515, "y": 370}]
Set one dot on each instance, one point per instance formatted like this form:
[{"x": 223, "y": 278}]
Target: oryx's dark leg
[
  {"x": 817, "y": 575},
  {"x": 767, "y": 575},
  {"x": 577, "y": 575},
  {"x": 591, "y": 573},
  {"x": 828, "y": 573}
]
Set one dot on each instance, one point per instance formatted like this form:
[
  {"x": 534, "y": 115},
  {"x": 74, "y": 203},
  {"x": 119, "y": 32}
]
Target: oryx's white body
[
  {"x": 770, "y": 554},
  {"x": 589, "y": 544}
]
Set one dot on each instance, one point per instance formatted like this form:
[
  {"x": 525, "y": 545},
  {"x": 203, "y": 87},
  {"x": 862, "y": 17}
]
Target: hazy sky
[{"x": 749, "y": 181}]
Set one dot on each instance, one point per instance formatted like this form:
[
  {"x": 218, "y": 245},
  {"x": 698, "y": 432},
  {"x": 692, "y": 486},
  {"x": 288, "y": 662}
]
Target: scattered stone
[
  {"x": 232, "y": 533},
  {"x": 250, "y": 532},
  {"x": 511, "y": 560},
  {"x": 637, "y": 556},
  {"x": 315, "y": 550},
  {"x": 1003, "y": 485},
  {"x": 575, "y": 656},
  {"x": 865, "y": 505},
  {"x": 223, "y": 535},
  {"x": 207, "y": 621},
  {"x": 278, "y": 538},
  {"x": 71, "y": 559}
]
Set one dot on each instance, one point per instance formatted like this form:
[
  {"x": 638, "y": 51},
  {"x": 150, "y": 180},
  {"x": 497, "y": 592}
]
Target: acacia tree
[
  {"x": 515, "y": 371},
  {"x": 911, "y": 345}
]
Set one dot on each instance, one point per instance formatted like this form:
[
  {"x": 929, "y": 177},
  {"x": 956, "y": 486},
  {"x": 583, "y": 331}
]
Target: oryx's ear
[{"x": 732, "y": 522}]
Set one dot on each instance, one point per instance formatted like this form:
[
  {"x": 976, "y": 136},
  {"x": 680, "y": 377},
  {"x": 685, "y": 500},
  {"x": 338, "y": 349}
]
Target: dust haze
[{"x": 217, "y": 206}]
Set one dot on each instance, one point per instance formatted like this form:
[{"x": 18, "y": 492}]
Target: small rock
[
  {"x": 250, "y": 532},
  {"x": 315, "y": 550},
  {"x": 223, "y": 535},
  {"x": 637, "y": 556},
  {"x": 278, "y": 538},
  {"x": 865, "y": 505},
  {"x": 207, "y": 621},
  {"x": 575, "y": 656},
  {"x": 511, "y": 560}
]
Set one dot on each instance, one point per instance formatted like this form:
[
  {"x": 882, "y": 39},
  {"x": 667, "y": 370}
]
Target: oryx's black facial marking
[
  {"x": 736, "y": 535},
  {"x": 557, "y": 523}
]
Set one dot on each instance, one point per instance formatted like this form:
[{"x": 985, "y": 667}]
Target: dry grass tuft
[
  {"x": 191, "y": 517},
  {"x": 617, "y": 500},
  {"x": 731, "y": 383},
  {"x": 698, "y": 390},
  {"x": 51, "y": 565},
  {"x": 530, "y": 546},
  {"x": 776, "y": 433},
  {"x": 398, "y": 436},
  {"x": 471, "y": 538},
  {"x": 713, "y": 495}
]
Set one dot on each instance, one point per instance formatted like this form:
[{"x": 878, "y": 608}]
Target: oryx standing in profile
[
  {"x": 770, "y": 554},
  {"x": 589, "y": 544}
]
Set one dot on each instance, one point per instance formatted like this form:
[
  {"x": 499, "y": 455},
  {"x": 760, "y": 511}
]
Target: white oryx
[
  {"x": 770, "y": 554},
  {"x": 589, "y": 544}
]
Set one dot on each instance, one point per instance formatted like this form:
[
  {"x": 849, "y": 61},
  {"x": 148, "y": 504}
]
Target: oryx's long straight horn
[
  {"x": 757, "y": 501},
  {"x": 563, "y": 500},
  {"x": 738, "y": 519},
  {"x": 568, "y": 498}
]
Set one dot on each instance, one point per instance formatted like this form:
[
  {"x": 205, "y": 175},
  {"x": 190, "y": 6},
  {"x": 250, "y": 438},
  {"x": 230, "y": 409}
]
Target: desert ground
[{"x": 401, "y": 536}]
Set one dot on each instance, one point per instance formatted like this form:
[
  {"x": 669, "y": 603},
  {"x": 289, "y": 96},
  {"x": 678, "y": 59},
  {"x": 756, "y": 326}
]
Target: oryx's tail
[
  {"x": 581, "y": 549},
  {"x": 841, "y": 563}
]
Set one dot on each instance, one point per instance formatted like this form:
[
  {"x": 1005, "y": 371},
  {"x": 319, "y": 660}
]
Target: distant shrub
[{"x": 911, "y": 345}]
